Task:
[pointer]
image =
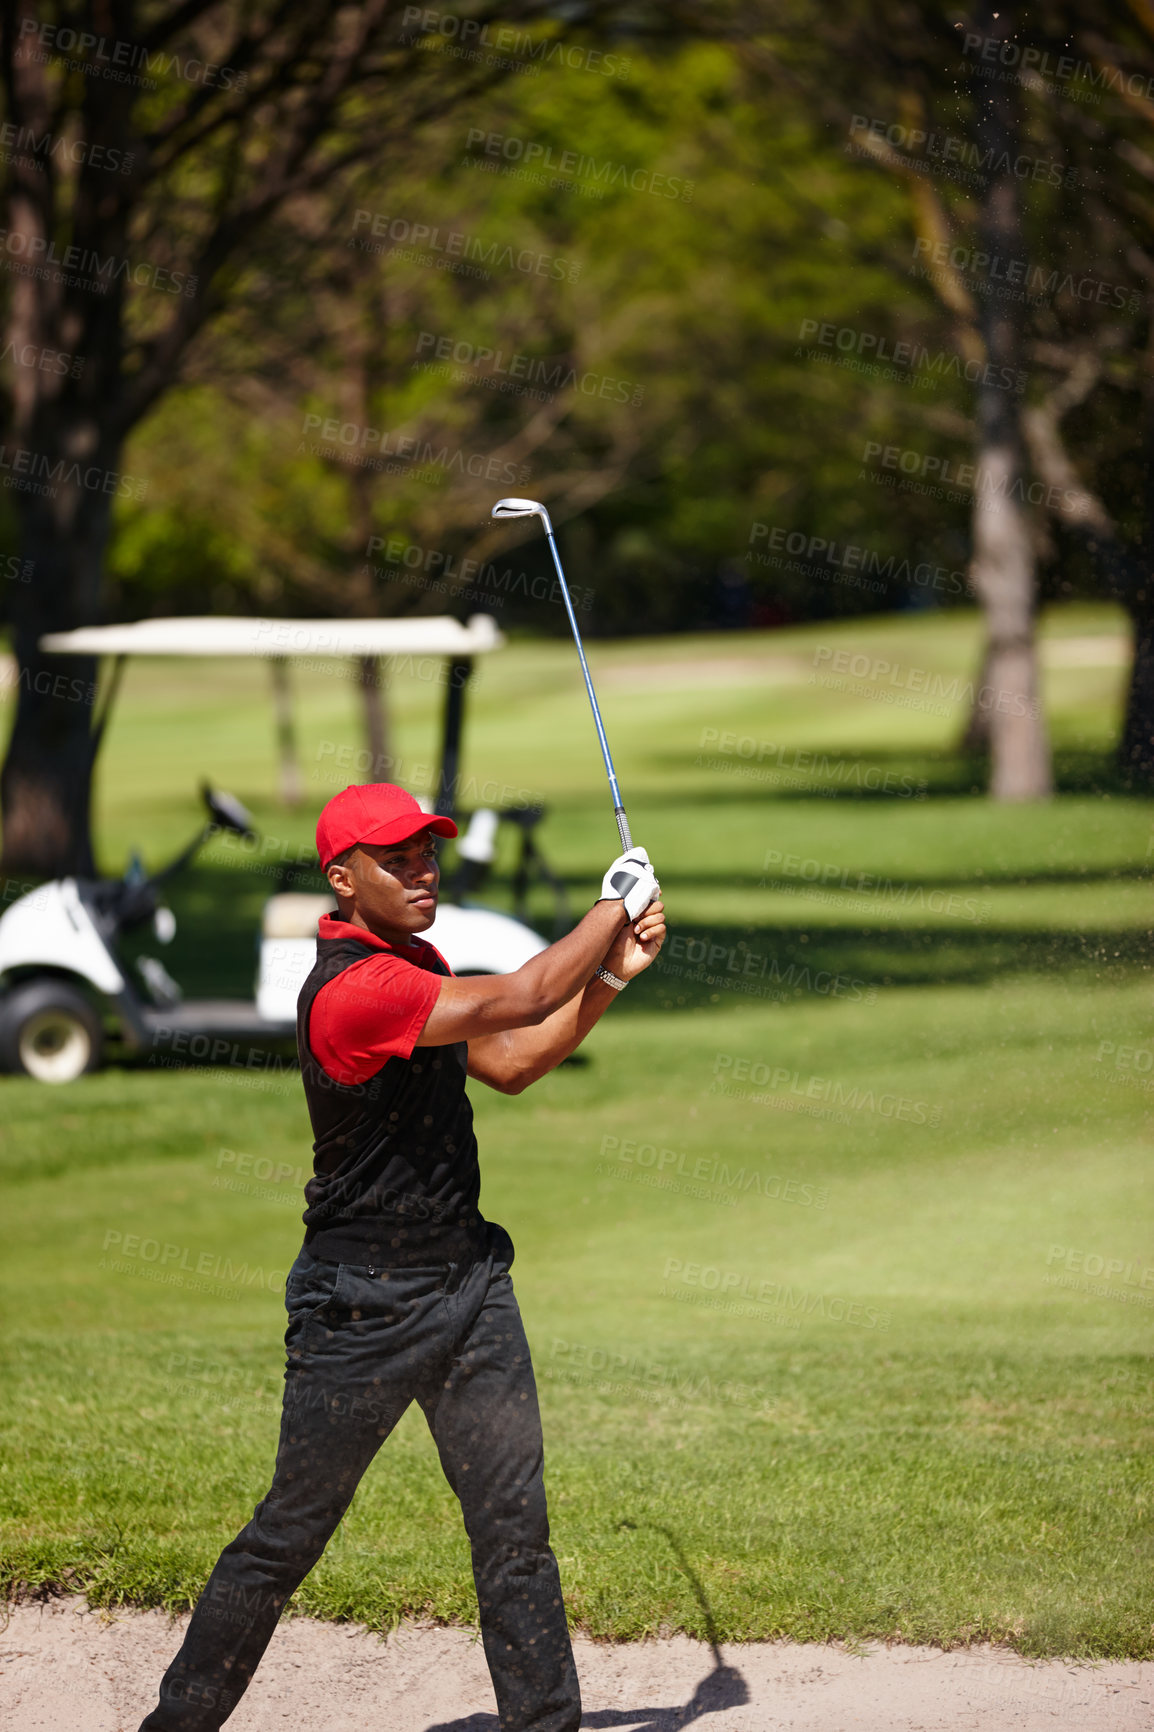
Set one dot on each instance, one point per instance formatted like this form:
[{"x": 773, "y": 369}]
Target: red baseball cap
[{"x": 373, "y": 812}]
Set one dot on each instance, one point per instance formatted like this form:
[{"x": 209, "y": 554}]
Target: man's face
[{"x": 392, "y": 886}]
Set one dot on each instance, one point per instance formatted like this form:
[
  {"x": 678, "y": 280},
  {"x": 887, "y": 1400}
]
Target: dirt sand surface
[{"x": 64, "y": 1668}]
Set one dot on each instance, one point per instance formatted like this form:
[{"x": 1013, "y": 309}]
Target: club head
[{"x": 520, "y": 508}]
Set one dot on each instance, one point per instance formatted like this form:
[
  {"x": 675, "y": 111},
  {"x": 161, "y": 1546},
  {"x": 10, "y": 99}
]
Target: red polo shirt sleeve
[{"x": 373, "y": 1011}]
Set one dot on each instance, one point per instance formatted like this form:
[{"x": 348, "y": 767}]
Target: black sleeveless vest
[{"x": 395, "y": 1175}]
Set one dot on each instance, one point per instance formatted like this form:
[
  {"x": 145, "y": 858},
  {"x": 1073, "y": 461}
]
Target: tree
[
  {"x": 1002, "y": 570},
  {"x": 1090, "y": 433},
  {"x": 1073, "y": 88},
  {"x": 153, "y": 149},
  {"x": 907, "y": 63},
  {"x": 655, "y": 390}
]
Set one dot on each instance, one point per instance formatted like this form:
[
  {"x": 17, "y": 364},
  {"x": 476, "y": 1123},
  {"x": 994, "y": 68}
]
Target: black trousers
[{"x": 361, "y": 1347}]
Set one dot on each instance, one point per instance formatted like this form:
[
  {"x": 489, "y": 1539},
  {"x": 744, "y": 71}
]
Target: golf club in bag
[{"x": 529, "y": 508}]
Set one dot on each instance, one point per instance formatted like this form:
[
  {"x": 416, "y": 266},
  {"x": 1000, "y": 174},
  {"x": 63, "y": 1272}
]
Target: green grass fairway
[{"x": 836, "y": 1258}]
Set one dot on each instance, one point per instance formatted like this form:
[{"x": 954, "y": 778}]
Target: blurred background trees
[{"x": 786, "y": 314}]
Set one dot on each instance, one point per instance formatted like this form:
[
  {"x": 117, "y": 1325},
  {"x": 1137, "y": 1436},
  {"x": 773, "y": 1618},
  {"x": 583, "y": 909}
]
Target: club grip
[{"x": 623, "y": 829}]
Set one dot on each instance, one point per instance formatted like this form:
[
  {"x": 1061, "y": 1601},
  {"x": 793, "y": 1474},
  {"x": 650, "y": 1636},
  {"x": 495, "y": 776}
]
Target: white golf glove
[{"x": 633, "y": 880}]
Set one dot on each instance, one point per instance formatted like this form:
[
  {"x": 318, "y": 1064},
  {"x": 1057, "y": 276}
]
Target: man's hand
[
  {"x": 633, "y": 879},
  {"x": 637, "y": 945},
  {"x": 511, "y": 1060}
]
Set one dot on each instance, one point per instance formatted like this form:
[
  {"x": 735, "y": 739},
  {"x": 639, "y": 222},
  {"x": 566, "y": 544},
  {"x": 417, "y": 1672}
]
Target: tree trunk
[
  {"x": 1002, "y": 574},
  {"x": 376, "y": 715},
  {"x": 45, "y": 785},
  {"x": 1124, "y": 566},
  {"x": 371, "y": 680},
  {"x": 1002, "y": 568},
  {"x": 1131, "y": 571},
  {"x": 288, "y": 761},
  {"x": 975, "y": 738},
  {"x": 1136, "y": 748},
  {"x": 63, "y": 460}
]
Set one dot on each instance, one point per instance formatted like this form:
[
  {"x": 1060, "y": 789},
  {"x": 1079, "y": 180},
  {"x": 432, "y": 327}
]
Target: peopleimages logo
[
  {"x": 44, "y": 147},
  {"x": 42, "y": 360},
  {"x": 829, "y": 878},
  {"x": 541, "y": 161},
  {"x": 428, "y": 241},
  {"x": 1038, "y": 285},
  {"x": 123, "y": 61},
  {"x": 366, "y": 448},
  {"x": 816, "y": 550},
  {"x": 688, "y": 958},
  {"x": 732, "y": 1286},
  {"x": 433, "y": 568},
  {"x": 830, "y": 1091},
  {"x": 497, "y": 364},
  {"x": 869, "y": 349},
  {"x": 34, "y": 472},
  {"x": 1022, "y": 62},
  {"x": 449, "y": 32},
  {"x": 950, "y": 152},
  {"x": 103, "y": 272},
  {"x": 895, "y": 683},
  {"x": 171, "y": 1261},
  {"x": 851, "y": 771},
  {"x": 713, "y": 1170}
]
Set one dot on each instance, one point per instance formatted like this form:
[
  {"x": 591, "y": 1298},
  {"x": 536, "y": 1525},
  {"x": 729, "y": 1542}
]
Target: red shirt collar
[{"x": 332, "y": 926}]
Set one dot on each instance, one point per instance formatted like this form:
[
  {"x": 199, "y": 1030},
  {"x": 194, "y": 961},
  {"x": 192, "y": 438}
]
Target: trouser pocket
[{"x": 312, "y": 1291}]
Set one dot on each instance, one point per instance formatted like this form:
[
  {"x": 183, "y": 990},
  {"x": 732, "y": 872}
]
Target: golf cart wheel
[{"x": 49, "y": 1031}]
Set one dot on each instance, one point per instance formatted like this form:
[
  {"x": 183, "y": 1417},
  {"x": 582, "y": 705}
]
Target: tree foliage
[{"x": 708, "y": 279}]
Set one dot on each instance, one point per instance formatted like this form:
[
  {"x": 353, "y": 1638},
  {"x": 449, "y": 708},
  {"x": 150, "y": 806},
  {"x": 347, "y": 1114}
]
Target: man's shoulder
[
  {"x": 428, "y": 956},
  {"x": 367, "y": 957}
]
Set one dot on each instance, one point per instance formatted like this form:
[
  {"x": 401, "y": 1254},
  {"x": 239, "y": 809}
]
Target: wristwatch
[{"x": 612, "y": 980}]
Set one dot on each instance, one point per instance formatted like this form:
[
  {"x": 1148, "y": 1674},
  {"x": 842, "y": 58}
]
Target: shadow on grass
[
  {"x": 826, "y": 773},
  {"x": 218, "y": 909},
  {"x": 214, "y": 954},
  {"x": 880, "y": 884},
  {"x": 711, "y": 965}
]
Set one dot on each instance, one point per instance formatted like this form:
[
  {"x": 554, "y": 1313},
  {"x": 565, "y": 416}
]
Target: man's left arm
[{"x": 511, "y": 1061}]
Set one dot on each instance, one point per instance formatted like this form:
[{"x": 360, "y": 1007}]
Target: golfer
[{"x": 401, "y": 1291}]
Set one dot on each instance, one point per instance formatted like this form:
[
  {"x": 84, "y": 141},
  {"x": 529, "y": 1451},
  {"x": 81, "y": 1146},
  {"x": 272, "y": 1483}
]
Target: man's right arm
[{"x": 483, "y": 1004}]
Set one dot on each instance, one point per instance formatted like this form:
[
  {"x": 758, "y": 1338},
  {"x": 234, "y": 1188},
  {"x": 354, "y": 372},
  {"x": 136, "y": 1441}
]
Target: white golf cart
[{"x": 66, "y": 986}]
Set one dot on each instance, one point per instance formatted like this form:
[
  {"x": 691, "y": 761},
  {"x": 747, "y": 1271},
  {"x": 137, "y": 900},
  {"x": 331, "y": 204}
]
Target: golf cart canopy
[
  {"x": 275, "y": 640},
  {"x": 212, "y": 635}
]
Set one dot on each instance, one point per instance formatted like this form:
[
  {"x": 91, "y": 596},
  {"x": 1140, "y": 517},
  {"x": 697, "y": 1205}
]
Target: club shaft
[{"x": 618, "y": 807}]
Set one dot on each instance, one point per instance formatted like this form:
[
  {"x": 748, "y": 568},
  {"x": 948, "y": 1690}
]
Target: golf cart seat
[{"x": 292, "y": 914}]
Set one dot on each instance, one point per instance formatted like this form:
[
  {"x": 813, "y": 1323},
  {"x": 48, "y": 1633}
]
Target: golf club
[{"x": 530, "y": 508}]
